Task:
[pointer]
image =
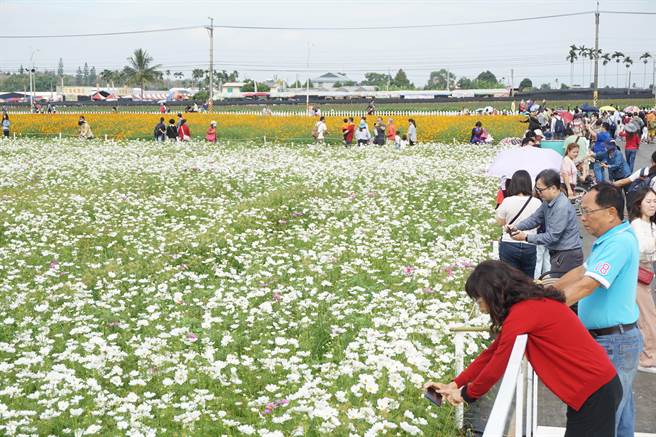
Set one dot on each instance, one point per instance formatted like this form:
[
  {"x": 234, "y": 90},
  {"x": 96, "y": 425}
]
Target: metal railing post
[{"x": 496, "y": 424}]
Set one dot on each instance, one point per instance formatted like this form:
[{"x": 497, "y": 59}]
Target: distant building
[
  {"x": 232, "y": 89},
  {"x": 328, "y": 80}
]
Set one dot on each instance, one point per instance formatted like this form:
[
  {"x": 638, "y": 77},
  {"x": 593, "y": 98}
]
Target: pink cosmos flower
[{"x": 408, "y": 270}]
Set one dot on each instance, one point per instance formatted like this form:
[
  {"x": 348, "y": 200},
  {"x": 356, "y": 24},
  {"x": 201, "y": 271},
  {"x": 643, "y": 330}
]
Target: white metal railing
[
  {"x": 512, "y": 385},
  {"x": 519, "y": 382},
  {"x": 518, "y": 371}
]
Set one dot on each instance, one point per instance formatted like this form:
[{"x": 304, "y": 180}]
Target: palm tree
[
  {"x": 583, "y": 53},
  {"x": 618, "y": 56},
  {"x": 605, "y": 60},
  {"x": 140, "y": 70},
  {"x": 571, "y": 57},
  {"x": 645, "y": 58},
  {"x": 107, "y": 76},
  {"x": 168, "y": 77},
  {"x": 627, "y": 63},
  {"x": 594, "y": 54},
  {"x": 197, "y": 74}
]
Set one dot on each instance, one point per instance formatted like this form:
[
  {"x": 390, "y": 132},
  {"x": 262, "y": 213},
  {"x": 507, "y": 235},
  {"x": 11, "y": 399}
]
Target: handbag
[
  {"x": 645, "y": 276},
  {"x": 520, "y": 211}
]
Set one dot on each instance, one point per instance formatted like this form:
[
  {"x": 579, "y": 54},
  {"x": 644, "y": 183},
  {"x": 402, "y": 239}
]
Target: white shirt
[
  {"x": 646, "y": 234},
  {"x": 509, "y": 209},
  {"x": 321, "y": 129}
]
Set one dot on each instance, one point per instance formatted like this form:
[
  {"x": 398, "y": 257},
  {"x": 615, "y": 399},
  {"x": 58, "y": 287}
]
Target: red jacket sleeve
[
  {"x": 476, "y": 366},
  {"x": 490, "y": 366}
]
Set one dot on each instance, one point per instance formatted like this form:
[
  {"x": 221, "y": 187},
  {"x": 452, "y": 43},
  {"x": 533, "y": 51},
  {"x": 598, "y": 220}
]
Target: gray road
[{"x": 552, "y": 410}]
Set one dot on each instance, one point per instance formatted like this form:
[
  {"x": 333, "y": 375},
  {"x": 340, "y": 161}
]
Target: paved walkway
[{"x": 551, "y": 411}]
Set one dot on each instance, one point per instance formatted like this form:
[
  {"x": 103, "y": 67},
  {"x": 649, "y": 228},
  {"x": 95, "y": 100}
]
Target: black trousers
[{"x": 596, "y": 418}]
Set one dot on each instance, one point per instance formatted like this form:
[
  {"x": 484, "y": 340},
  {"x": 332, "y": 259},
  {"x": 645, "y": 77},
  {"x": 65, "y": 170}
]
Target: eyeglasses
[
  {"x": 590, "y": 211},
  {"x": 539, "y": 190}
]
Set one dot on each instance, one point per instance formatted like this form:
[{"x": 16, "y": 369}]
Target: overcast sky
[{"x": 534, "y": 49}]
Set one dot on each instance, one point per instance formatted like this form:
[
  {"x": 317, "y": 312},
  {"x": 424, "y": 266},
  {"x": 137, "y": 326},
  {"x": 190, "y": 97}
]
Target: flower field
[
  {"x": 247, "y": 289},
  {"x": 243, "y": 127}
]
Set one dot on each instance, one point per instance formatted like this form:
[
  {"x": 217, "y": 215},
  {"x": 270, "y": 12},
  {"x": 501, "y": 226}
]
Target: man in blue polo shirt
[{"x": 605, "y": 289}]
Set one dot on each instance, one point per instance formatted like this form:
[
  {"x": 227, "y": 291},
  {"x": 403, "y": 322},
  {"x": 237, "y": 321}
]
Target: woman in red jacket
[
  {"x": 564, "y": 355},
  {"x": 183, "y": 131}
]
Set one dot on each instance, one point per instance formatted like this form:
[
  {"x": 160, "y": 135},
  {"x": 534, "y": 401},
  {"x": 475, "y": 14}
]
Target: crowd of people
[
  {"x": 591, "y": 322},
  {"x": 383, "y": 132}
]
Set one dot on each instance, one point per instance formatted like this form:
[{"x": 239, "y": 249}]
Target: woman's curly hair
[{"x": 501, "y": 286}]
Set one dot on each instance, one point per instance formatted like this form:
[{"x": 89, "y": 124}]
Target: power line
[
  {"x": 415, "y": 26},
  {"x": 226, "y": 26},
  {"x": 82, "y": 35},
  {"x": 627, "y": 12}
]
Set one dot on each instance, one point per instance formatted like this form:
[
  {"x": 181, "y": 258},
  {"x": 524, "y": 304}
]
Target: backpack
[
  {"x": 559, "y": 127},
  {"x": 315, "y": 130},
  {"x": 644, "y": 181}
]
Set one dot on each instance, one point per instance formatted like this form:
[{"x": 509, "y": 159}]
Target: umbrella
[
  {"x": 565, "y": 115},
  {"x": 607, "y": 108},
  {"x": 631, "y": 127},
  {"x": 531, "y": 159},
  {"x": 581, "y": 141},
  {"x": 588, "y": 108},
  {"x": 631, "y": 109}
]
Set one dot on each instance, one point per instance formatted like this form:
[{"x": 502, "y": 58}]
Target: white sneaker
[{"x": 647, "y": 369}]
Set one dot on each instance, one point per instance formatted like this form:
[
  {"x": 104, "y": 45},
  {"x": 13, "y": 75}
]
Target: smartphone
[{"x": 433, "y": 396}]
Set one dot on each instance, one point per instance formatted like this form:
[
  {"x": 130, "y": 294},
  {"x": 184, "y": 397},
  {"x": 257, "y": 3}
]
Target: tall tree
[
  {"x": 571, "y": 57},
  {"x": 618, "y": 56},
  {"x": 107, "y": 76},
  {"x": 605, "y": 59},
  {"x": 60, "y": 68},
  {"x": 525, "y": 84},
  {"x": 627, "y": 63},
  {"x": 85, "y": 74},
  {"x": 140, "y": 69},
  {"x": 78, "y": 76},
  {"x": 379, "y": 80},
  {"x": 93, "y": 77},
  {"x": 645, "y": 58},
  {"x": 438, "y": 80},
  {"x": 582, "y": 51},
  {"x": 593, "y": 55},
  {"x": 401, "y": 80},
  {"x": 487, "y": 77},
  {"x": 197, "y": 74}
]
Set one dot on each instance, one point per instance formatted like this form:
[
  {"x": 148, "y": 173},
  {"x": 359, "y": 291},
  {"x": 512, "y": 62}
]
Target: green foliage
[
  {"x": 487, "y": 76},
  {"x": 249, "y": 87},
  {"x": 525, "y": 84},
  {"x": 380, "y": 80},
  {"x": 401, "y": 80},
  {"x": 140, "y": 69},
  {"x": 438, "y": 79}
]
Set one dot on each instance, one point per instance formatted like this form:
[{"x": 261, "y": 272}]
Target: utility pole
[
  {"x": 512, "y": 82},
  {"x": 595, "y": 94},
  {"x": 31, "y": 89},
  {"x": 210, "y": 103},
  {"x": 307, "y": 83},
  {"x": 448, "y": 76},
  {"x": 653, "y": 78}
]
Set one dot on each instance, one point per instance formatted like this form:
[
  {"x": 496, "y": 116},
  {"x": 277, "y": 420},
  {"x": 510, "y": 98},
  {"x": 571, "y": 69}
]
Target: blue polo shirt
[{"x": 613, "y": 263}]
